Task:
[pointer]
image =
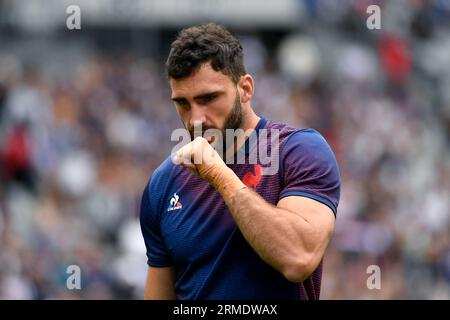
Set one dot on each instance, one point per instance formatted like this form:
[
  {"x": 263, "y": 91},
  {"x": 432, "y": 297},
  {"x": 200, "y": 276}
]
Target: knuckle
[{"x": 200, "y": 141}]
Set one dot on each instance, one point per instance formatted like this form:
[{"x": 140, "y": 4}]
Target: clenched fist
[{"x": 201, "y": 158}]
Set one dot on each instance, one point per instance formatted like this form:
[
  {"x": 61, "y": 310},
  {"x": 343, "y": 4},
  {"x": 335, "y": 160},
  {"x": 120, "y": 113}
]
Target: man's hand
[{"x": 203, "y": 160}]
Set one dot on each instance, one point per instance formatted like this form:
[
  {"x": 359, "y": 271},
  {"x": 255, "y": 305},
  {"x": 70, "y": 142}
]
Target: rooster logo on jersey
[
  {"x": 253, "y": 177},
  {"x": 174, "y": 204}
]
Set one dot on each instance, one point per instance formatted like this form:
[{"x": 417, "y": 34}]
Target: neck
[
  {"x": 248, "y": 125},
  {"x": 251, "y": 119}
]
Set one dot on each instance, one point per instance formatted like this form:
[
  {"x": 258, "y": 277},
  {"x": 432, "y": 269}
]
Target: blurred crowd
[{"x": 77, "y": 146}]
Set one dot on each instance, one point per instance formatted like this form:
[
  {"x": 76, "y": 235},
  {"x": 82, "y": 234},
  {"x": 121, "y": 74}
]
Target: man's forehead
[{"x": 205, "y": 79}]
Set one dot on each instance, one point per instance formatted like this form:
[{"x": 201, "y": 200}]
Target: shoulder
[
  {"x": 306, "y": 140},
  {"x": 308, "y": 149},
  {"x": 162, "y": 172},
  {"x": 284, "y": 131},
  {"x": 291, "y": 138},
  {"x": 308, "y": 167}
]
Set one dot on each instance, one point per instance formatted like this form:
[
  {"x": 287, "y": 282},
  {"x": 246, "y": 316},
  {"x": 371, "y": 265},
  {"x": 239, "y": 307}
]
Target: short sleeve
[
  {"x": 157, "y": 253},
  {"x": 309, "y": 168}
]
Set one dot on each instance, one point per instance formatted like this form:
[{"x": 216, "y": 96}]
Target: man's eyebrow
[
  {"x": 208, "y": 94},
  {"x": 178, "y": 99},
  {"x": 200, "y": 96}
]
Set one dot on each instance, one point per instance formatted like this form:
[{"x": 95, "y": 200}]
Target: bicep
[
  {"x": 160, "y": 284},
  {"x": 320, "y": 220}
]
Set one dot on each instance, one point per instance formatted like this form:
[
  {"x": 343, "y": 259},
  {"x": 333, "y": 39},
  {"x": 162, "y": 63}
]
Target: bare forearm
[
  {"x": 278, "y": 236},
  {"x": 274, "y": 233}
]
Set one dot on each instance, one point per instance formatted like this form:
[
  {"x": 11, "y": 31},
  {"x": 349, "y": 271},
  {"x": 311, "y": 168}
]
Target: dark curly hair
[{"x": 205, "y": 43}]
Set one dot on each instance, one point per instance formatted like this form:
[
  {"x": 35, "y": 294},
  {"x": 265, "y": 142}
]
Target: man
[{"x": 215, "y": 230}]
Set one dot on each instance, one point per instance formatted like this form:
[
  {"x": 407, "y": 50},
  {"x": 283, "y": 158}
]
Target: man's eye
[
  {"x": 208, "y": 98},
  {"x": 183, "y": 104}
]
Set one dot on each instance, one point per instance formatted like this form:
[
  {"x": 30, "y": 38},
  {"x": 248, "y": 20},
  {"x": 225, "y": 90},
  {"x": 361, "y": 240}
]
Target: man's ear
[{"x": 246, "y": 88}]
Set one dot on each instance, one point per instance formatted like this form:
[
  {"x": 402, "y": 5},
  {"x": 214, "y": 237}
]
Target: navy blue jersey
[{"x": 186, "y": 224}]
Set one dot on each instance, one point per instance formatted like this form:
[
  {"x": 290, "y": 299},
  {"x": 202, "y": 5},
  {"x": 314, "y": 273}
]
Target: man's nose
[{"x": 197, "y": 116}]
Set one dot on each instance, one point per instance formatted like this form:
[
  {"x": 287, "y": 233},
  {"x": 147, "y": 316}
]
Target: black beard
[{"x": 235, "y": 117}]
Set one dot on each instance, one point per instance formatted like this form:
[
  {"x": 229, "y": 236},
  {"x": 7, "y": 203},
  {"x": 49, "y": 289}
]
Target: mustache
[{"x": 200, "y": 130}]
